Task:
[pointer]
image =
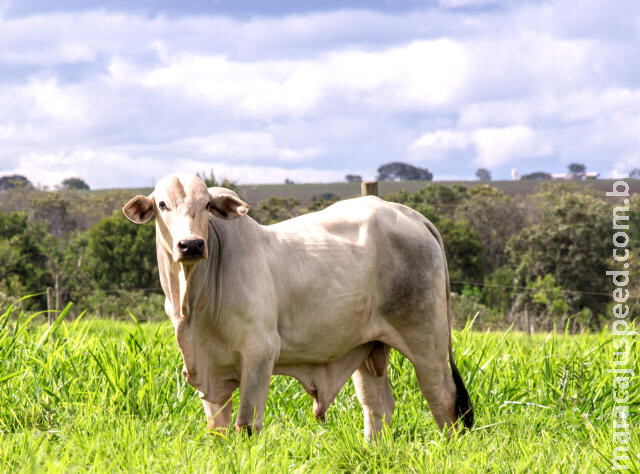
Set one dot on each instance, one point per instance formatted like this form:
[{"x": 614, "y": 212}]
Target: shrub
[{"x": 144, "y": 305}]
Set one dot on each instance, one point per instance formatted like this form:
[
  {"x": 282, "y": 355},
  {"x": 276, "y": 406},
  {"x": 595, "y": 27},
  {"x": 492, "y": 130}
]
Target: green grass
[{"x": 94, "y": 395}]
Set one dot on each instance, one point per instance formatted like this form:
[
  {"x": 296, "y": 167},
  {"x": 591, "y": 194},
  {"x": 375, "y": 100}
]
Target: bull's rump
[{"x": 352, "y": 269}]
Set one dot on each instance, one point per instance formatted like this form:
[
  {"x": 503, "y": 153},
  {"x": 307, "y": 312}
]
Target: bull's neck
[
  {"x": 191, "y": 286},
  {"x": 201, "y": 286}
]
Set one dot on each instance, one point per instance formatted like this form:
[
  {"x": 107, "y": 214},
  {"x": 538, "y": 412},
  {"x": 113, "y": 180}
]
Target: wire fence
[
  {"x": 519, "y": 290},
  {"x": 523, "y": 290}
]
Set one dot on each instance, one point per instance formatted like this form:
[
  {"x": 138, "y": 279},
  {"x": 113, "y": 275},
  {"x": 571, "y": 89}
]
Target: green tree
[
  {"x": 275, "y": 209},
  {"x": 463, "y": 249},
  {"x": 14, "y": 181},
  {"x": 121, "y": 254},
  {"x": 417, "y": 201},
  {"x": 483, "y": 174},
  {"x": 67, "y": 263},
  {"x": 496, "y": 218},
  {"x": 398, "y": 171},
  {"x": 321, "y": 202},
  {"x": 211, "y": 181},
  {"x": 499, "y": 289},
  {"x": 74, "y": 183},
  {"x": 577, "y": 170},
  {"x": 568, "y": 238},
  {"x": 23, "y": 256},
  {"x": 550, "y": 298},
  {"x": 52, "y": 210},
  {"x": 539, "y": 175},
  {"x": 432, "y": 201}
]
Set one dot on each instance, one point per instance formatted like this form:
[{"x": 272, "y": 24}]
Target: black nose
[{"x": 191, "y": 248}]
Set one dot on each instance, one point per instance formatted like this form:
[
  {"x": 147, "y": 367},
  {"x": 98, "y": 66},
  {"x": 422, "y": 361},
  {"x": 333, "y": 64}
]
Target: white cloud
[
  {"x": 489, "y": 147},
  {"x": 253, "y": 174},
  {"x": 50, "y": 168},
  {"x": 413, "y": 76},
  {"x": 418, "y": 75},
  {"x": 258, "y": 89},
  {"x": 467, "y": 3},
  {"x": 438, "y": 145},
  {"x": 246, "y": 146},
  {"x": 624, "y": 165},
  {"x": 496, "y": 146},
  {"x": 125, "y": 169},
  {"x": 7, "y": 132},
  {"x": 55, "y": 102},
  {"x": 63, "y": 37}
]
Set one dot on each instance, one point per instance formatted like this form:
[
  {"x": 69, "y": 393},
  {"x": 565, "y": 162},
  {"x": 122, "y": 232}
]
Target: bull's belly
[{"x": 323, "y": 337}]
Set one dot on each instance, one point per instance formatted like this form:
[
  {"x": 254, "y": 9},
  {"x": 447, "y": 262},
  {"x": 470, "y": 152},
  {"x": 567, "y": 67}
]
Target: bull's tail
[
  {"x": 464, "y": 409},
  {"x": 463, "y": 406}
]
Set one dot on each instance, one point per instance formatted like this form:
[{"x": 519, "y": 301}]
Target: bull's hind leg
[
  {"x": 427, "y": 346},
  {"x": 437, "y": 386},
  {"x": 374, "y": 392}
]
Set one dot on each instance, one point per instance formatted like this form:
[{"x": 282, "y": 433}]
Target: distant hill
[
  {"x": 306, "y": 191},
  {"x": 78, "y": 209}
]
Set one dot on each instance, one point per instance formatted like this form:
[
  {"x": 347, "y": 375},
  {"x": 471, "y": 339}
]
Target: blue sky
[{"x": 310, "y": 91}]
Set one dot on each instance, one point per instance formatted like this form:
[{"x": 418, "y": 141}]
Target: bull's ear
[
  {"x": 139, "y": 209},
  {"x": 227, "y": 206}
]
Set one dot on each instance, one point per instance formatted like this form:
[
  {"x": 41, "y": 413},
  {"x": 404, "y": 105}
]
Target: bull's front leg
[
  {"x": 255, "y": 376},
  {"x": 218, "y": 414},
  {"x": 217, "y": 402}
]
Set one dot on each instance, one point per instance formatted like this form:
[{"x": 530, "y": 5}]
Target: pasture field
[{"x": 96, "y": 395}]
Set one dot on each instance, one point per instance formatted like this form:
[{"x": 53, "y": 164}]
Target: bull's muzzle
[{"x": 191, "y": 249}]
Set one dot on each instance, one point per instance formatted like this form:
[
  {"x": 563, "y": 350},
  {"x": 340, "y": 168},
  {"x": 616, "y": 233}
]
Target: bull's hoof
[
  {"x": 319, "y": 412},
  {"x": 217, "y": 432},
  {"x": 214, "y": 429},
  {"x": 247, "y": 428}
]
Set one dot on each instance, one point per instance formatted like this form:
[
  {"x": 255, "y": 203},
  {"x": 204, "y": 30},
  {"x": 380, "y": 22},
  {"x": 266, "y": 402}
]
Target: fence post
[
  {"x": 57, "y": 291},
  {"x": 369, "y": 188},
  {"x": 49, "y": 305}
]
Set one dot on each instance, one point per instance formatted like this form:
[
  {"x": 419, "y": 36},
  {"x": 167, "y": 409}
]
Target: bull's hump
[{"x": 349, "y": 212}]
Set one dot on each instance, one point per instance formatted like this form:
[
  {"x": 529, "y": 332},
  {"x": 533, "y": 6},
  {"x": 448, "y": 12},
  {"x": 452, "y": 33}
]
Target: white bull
[{"x": 320, "y": 297}]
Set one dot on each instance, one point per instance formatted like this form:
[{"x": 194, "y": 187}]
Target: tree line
[
  {"x": 536, "y": 260},
  {"x": 399, "y": 171}
]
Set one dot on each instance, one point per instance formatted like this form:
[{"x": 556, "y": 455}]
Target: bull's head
[{"x": 182, "y": 205}]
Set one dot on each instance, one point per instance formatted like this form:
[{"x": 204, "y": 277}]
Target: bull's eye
[{"x": 162, "y": 205}]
